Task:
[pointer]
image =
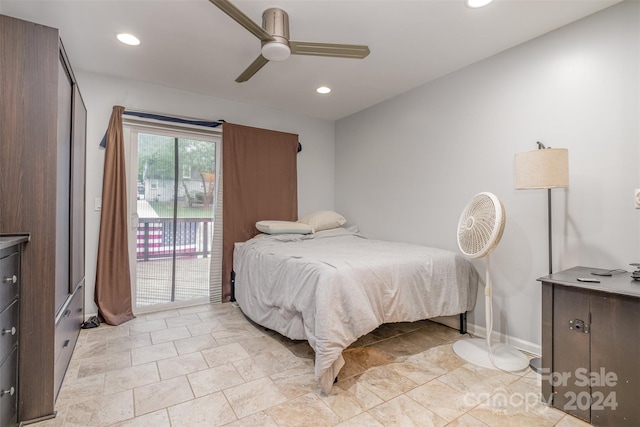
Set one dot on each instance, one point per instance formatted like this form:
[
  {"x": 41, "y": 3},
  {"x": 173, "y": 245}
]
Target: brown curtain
[
  {"x": 113, "y": 282},
  {"x": 260, "y": 182}
]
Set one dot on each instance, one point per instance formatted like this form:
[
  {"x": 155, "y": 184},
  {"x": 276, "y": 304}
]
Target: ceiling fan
[{"x": 276, "y": 46}]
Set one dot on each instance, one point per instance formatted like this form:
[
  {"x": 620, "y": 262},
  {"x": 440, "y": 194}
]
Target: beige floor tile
[
  {"x": 233, "y": 333},
  {"x": 197, "y": 309},
  {"x": 442, "y": 357},
  {"x": 386, "y": 383},
  {"x": 105, "y": 332},
  {"x": 516, "y": 404},
  {"x": 152, "y": 353},
  {"x": 259, "y": 345},
  {"x": 183, "y": 320},
  {"x": 398, "y": 347},
  {"x": 150, "y": 398},
  {"x": 359, "y": 360},
  {"x": 130, "y": 378},
  {"x": 350, "y": 397},
  {"x": 296, "y": 382},
  {"x": 362, "y": 420},
  {"x": 262, "y": 365},
  {"x": 101, "y": 411},
  {"x": 225, "y": 354},
  {"x": 104, "y": 363},
  {"x": 418, "y": 373},
  {"x": 208, "y": 411},
  {"x": 196, "y": 343},
  {"x": 91, "y": 349},
  {"x": 258, "y": 395},
  {"x": 161, "y": 314},
  {"x": 288, "y": 358},
  {"x": 404, "y": 412},
  {"x": 442, "y": 399},
  {"x": 466, "y": 420},
  {"x": 474, "y": 384},
  {"x": 148, "y": 326},
  {"x": 154, "y": 419},
  {"x": 187, "y": 368},
  {"x": 260, "y": 419},
  {"x": 205, "y": 327},
  {"x": 181, "y": 365},
  {"x": 128, "y": 342},
  {"x": 214, "y": 379},
  {"x": 82, "y": 389},
  {"x": 300, "y": 411},
  {"x": 170, "y": 334}
]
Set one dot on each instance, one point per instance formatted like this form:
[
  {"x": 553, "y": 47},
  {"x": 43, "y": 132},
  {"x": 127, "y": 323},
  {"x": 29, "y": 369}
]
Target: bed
[{"x": 333, "y": 286}]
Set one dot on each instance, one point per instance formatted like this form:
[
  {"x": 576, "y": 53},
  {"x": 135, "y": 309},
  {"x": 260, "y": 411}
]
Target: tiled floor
[{"x": 209, "y": 366}]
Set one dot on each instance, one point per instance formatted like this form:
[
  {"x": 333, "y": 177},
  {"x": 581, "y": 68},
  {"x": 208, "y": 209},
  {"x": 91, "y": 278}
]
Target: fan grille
[{"x": 481, "y": 225}]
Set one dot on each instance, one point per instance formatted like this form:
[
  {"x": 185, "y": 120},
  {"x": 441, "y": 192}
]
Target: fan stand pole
[
  {"x": 488, "y": 306},
  {"x": 480, "y": 351}
]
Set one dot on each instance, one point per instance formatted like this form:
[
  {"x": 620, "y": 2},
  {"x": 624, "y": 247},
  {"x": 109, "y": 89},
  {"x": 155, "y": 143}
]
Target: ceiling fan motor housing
[{"x": 275, "y": 21}]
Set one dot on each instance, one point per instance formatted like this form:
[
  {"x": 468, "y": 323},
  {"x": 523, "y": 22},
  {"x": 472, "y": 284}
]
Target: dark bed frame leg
[{"x": 463, "y": 323}]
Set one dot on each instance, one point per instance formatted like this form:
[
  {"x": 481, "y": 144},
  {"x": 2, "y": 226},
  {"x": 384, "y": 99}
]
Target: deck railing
[{"x": 156, "y": 238}]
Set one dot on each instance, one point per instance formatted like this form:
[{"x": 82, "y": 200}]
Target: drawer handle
[
  {"x": 10, "y": 392},
  {"x": 11, "y": 331},
  {"x": 66, "y": 343},
  {"x": 10, "y": 279}
]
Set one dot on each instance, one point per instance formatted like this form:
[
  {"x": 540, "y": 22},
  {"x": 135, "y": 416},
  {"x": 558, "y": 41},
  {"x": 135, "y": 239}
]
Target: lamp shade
[{"x": 544, "y": 168}]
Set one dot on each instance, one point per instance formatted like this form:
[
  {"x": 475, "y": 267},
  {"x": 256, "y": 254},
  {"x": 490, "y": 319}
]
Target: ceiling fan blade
[
  {"x": 329, "y": 49},
  {"x": 255, "y": 66},
  {"x": 242, "y": 19}
]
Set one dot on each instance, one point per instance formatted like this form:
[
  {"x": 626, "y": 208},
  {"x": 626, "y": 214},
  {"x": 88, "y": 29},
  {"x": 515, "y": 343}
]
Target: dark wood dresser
[
  {"x": 10, "y": 278},
  {"x": 591, "y": 346}
]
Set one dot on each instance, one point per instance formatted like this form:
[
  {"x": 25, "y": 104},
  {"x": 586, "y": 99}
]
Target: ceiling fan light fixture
[
  {"x": 276, "y": 51},
  {"x": 474, "y": 4}
]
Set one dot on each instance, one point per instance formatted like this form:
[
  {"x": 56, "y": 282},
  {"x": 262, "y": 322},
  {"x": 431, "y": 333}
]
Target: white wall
[
  {"x": 405, "y": 168},
  {"x": 101, "y": 93}
]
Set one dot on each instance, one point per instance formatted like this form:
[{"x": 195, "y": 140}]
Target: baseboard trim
[{"x": 480, "y": 331}]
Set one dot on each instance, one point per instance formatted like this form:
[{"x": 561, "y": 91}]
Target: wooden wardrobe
[{"x": 42, "y": 192}]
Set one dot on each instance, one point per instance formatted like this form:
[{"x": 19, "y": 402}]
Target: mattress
[{"x": 334, "y": 286}]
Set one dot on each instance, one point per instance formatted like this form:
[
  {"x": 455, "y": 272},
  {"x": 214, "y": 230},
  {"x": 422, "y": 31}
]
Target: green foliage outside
[{"x": 156, "y": 157}]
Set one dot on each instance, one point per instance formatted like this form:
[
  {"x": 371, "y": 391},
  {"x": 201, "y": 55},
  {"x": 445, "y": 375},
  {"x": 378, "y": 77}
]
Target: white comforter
[{"x": 334, "y": 286}]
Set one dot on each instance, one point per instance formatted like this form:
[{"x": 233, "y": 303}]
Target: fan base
[{"x": 505, "y": 357}]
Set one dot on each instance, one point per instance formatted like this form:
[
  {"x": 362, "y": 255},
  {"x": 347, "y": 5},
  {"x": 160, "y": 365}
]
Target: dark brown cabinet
[
  {"x": 10, "y": 278},
  {"x": 590, "y": 346},
  {"x": 42, "y": 167}
]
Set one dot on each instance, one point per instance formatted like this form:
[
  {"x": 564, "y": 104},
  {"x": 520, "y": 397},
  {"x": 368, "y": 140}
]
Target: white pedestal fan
[{"x": 479, "y": 231}]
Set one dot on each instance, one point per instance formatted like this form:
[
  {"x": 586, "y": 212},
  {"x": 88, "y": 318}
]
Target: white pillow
[
  {"x": 323, "y": 220},
  {"x": 283, "y": 227}
]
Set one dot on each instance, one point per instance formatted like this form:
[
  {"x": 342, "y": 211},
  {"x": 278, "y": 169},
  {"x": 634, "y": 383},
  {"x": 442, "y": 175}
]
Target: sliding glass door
[{"x": 172, "y": 183}]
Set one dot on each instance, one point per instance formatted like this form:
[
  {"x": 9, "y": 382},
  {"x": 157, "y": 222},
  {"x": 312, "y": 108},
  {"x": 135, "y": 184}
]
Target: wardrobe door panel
[
  {"x": 78, "y": 173},
  {"x": 63, "y": 183}
]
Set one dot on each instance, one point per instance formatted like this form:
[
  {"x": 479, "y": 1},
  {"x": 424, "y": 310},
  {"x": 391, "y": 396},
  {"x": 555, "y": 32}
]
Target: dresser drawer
[
  {"x": 9, "y": 276},
  {"x": 8, "y": 329},
  {"x": 9, "y": 390},
  {"x": 68, "y": 324},
  {"x": 67, "y": 329}
]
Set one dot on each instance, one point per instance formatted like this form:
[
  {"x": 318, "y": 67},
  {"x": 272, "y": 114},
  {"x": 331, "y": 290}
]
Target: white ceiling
[{"x": 192, "y": 45}]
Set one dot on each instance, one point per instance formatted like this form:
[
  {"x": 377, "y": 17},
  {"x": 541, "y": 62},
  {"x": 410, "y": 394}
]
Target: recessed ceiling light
[
  {"x": 323, "y": 90},
  {"x": 129, "y": 39},
  {"x": 478, "y": 3}
]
